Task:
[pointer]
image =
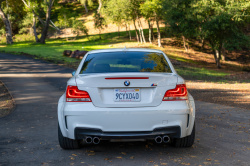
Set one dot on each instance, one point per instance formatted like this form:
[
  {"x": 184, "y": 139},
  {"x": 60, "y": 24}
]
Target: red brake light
[
  {"x": 179, "y": 93},
  {"x": 73, "y": 94}
]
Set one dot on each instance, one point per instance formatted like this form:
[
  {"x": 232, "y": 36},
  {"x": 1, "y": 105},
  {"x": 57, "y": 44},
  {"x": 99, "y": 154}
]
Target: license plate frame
[{"x": 127, "y": 95}]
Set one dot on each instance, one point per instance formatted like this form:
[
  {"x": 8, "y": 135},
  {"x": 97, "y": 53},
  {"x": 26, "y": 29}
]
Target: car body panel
[
  {"x": 101, "y": 90},
  {"x": 109, "y": 116},
  {"x": 126, "y": 119}
]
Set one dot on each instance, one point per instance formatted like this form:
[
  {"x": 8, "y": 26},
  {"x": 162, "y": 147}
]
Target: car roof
[{"x": 125, "y": 49}]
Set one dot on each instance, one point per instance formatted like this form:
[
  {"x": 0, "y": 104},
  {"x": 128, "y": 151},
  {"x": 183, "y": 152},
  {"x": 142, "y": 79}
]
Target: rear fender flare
[
  {"x": 191, "y": 115},
  {"x": 61, "y": 119}
]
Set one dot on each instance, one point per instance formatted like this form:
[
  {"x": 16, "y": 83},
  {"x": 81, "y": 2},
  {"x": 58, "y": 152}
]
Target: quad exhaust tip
[
  {"x": 96, "y": 140},
  {"x": 166, "y": 139},
  {"x": 88, "y": 140},
  {"x": 158, "y": 139}
]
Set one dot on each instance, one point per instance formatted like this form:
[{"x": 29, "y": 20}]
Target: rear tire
[
  {"x": 187, "y": 141},
  {"x": 67, "y": 143}
]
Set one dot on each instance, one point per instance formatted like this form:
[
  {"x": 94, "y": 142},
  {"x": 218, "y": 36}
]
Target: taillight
[
  {"x": 73, "y": 94},
  {"x": 179, "y": 93}
]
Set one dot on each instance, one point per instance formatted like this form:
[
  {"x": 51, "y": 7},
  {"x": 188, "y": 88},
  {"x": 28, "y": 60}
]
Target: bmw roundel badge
[{"x": 126, "y": 83}]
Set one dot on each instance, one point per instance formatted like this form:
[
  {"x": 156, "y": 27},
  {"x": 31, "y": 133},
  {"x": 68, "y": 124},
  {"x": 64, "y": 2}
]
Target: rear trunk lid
[{"x": 101, "y": 88}]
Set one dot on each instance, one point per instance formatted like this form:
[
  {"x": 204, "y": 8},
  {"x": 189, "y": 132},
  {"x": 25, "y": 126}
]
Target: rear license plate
[{"x": 132, "y": 94}]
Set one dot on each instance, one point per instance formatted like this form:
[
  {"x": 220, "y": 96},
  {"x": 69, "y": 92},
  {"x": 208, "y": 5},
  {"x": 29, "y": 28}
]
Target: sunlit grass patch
[{"x": 195, "y": 73}]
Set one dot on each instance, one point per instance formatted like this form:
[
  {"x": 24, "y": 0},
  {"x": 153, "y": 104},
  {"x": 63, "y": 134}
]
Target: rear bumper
[
  {"x": 122, "y": 122},
  {"x": 172, "y": 131}
]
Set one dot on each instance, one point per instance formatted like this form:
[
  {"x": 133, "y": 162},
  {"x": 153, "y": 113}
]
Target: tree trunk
[
  {"x": 129, "y": 31},
  {"x": 100, "y": 6},
  {"x": 223, "y": 52},
  {"x": 46, "y": 26},
  {"x": 137, "y": 37},
  {"x": 85, "y": 6},
  {"x": 184, "y": 43},
  {"x": 203, "y": 44},
  {"x": 139, "y": 29},
  {"x": 152, "y": 31},
  {"x": 100, "y": 34},
  {"x": 34, "y": 28},
  {"x": 158, "y": 31},
  {"x": 165, "y": 26},
  {"x": 187, "y": 45},
  {"x": 143, "y": 37},
  {"x": 119, "y": 31},
  {"x": 126, "y": 30},
  {"x": 7, "y": 27},
  {"x": 149, "y": 32},
  {"x": 8, "y": 16},
  {"x": 217, "y": 56}
]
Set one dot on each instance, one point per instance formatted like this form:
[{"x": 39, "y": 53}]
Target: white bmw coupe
[{"x": 124, "y": 94}]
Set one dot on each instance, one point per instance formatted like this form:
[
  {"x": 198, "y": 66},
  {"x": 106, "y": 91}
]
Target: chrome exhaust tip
[
  {"x": 96, "y": 140},
  {"x": 88, "y": 139},
  {"x": 166, "y": 139},
  {"x": 158, "y": 139}
]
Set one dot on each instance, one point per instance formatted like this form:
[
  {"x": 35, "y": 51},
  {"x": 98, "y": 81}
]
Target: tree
[
  {"x": 84, "y": 3},
  {"x": 100, "y": 6},
  {"x": 79, "y": 27},
  {"x": 183, "y": 23},
  {"x": 122, "y": 11},
  {"x": 99, "y": 23},
  {"x": 47, "y": 6},
  {"x": 153, "y": 9},
  {"x": 222, "y": 23},
  {"x": 218, "y": 21},
  {"x": 5, "y": 19}
]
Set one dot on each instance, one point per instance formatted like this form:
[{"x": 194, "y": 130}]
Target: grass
[
  {"x": 195, "y": 73},
  {"x": 53, "y": 49},
  {"x": 181, "y": 59}
]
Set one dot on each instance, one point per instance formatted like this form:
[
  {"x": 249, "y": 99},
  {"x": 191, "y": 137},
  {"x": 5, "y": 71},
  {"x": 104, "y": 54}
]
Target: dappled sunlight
[{"x": 226, "y": 94}]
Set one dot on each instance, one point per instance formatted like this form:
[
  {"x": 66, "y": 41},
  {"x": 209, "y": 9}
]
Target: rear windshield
[{"x": 111, "y": 62}]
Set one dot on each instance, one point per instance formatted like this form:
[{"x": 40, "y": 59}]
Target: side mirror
[{"x": 73, "y": 73}]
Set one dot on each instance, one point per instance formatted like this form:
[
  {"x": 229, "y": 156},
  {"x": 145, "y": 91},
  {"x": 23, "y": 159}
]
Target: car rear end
[{"x": 126, "y": 94}]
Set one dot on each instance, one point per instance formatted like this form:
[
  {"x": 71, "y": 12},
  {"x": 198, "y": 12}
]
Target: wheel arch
[
  {"x": 60, "y": 114},
  {"x": 192, "y": 114}
]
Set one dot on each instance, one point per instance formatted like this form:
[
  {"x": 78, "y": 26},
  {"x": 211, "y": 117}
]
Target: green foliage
[
  {"x": 99, "y": 22},
  {"x": 179, "y": 15},
  {"x": 26, "y": 24},
  {"x": 113, "y": 11},
  {"x": 225, "y": 21},
  {"x": 2, "y": 31},
  {"x": 15, "y": 12},
  {"x": 150, "y": 8},
  {"x": 220, "y": 22},
  {"x": 120, "y": 11},
  {"x": 90, "y": 2},
  {"x": 79, "y": 27},
  {"x": 65, "y": 18}
]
